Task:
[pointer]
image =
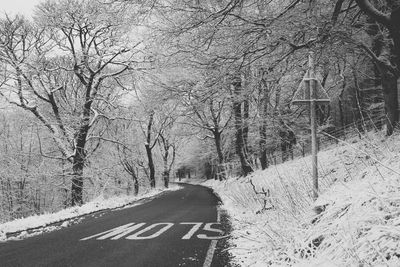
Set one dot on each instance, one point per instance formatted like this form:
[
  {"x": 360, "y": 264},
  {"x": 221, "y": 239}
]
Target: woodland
[{"x": 111, "y": 97}]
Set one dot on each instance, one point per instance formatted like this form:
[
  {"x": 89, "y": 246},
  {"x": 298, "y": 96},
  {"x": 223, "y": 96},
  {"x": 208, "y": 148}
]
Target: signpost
[{"x": 311, "y": 92}]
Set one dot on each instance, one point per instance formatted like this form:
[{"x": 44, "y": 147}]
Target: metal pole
[
  {"x": 314, "y": 149},
  {"x": 314, "y": 142}
]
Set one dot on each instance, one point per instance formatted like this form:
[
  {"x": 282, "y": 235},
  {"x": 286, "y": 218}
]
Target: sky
[{"x": 14, "y": 7}]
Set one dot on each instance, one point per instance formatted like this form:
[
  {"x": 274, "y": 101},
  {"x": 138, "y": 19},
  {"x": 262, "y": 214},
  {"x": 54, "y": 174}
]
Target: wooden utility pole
[
  {"x": 312, "y": 93},
  {"x": 314, "y": 143}
]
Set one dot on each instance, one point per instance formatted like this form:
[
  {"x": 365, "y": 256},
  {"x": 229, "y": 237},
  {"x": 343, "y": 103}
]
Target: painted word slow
[{"x": 139, "y": 231}]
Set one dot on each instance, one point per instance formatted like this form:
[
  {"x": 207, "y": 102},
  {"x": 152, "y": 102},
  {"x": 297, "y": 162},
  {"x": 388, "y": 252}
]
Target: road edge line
[{"x": 213, "y": 245}]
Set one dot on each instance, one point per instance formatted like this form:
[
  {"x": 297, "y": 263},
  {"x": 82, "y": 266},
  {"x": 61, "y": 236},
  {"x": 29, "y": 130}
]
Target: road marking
[
  {"x": 127, "y": 231},
  {"x": 208, "y": 227},
  {"x": 112, "y": 232},
  {"x": 213, "y": 245},
  {"x": 193, "y": 230},
  {"x": 136, "y": 236},
  {"x": 210, "y": 253}
]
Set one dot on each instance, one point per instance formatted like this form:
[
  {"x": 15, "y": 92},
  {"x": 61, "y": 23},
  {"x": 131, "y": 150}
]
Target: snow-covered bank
[
  {"x": 100, "y": 203},
  {"x": 273, "y": 217}
]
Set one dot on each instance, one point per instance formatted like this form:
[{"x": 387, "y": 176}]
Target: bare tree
[
  {"x": 387, "y": 57},
  {"x": 211, "y": 114},
  {"x": 129, "y": 166},
  {"x": 64, "y": 70},
  {"x": 149, "y": 145}
]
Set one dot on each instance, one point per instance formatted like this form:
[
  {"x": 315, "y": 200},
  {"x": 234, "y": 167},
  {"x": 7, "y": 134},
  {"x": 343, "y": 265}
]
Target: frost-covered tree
[{"x": 65, "y": 68}]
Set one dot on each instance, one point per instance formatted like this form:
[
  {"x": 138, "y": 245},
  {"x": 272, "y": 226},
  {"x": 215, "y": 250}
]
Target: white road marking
[
  {"x": 213, "y": 245},
  {"x": 193, "y": 230},
  {"x": 210, "y": 253},
  {"x": 127, "y": 229},
  {"x": 111, "y": 232},
  {"x": 208, "y": 227},
  {"x": 136, "y": 236}
]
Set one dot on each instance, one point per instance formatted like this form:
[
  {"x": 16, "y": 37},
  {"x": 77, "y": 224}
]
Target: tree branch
[{"x": 369, "y": 9}]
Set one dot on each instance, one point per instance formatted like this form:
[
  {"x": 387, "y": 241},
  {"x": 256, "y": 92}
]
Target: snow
[
  {"x": 73, "y": 213},
  {"x": 360, "y": 221}
]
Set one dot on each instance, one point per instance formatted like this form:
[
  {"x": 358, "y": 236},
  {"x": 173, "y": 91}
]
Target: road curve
[{"x": 179, "y": 228}]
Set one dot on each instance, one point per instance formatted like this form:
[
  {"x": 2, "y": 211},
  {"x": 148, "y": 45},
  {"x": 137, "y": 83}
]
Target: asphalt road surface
[{"x": 179, "y": 228}]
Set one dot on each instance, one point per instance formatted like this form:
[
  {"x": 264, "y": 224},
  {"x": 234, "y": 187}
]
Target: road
[{"x": 179, "y": 228}]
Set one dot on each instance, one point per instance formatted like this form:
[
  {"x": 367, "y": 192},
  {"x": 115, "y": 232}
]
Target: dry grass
[{"x": 359, "y": 183}]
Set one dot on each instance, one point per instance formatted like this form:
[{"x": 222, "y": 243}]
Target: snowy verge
[
  {"x": 98, "y": 204},
  {"x": 273, "y": 217}
]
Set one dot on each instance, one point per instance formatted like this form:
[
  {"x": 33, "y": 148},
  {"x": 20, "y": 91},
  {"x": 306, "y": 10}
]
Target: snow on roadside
[
  {"x": 99, "y": 203},
  {"x": 361, "y": 222},
  {"x": 360, "y": 196}
]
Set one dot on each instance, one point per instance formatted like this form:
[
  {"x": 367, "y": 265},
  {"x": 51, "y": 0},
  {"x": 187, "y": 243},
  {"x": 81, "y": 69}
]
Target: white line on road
[
  {"x": 210, "y": 253},
  {"x": 213, "y": 244}
]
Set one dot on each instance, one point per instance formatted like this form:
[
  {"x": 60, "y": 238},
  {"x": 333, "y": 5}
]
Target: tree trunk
[
  {"x": 263, "y": 132},
  {"x": 389, "y": 77},
  {"x": 264, "y": 159},
  {"x": 284, "y": 145},
  {"x": 390, "y": 95},
  {"x": 218, "y": 146},
  {"x": 341, "y": 133},
  {"x": 166, "y": 178},
  {"x": 165, "y": 147},
  {"x": 149, "y": 152},
  {"x": 237, "y": 111},
  {"x": 389, "y": 57},
  {"x": 79, "y": 158},
  {"x": 263, "y": 143},
  {"x": 77, "y": 180},
  {"x": 136, "y": 186},
  {"x": 292, "y": 141},
  {"x": 264, "y": 91},
  {"x": 217, "y": 138},
  {"x": 134, "y": 178},
  {"x": 166, "y": 171},
  {"x": 151, "y": 166},
  {"x": 246, "y": 115}
]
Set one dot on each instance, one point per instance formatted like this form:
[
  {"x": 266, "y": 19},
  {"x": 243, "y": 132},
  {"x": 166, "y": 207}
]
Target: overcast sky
[{"x": 24, "y": 7}]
